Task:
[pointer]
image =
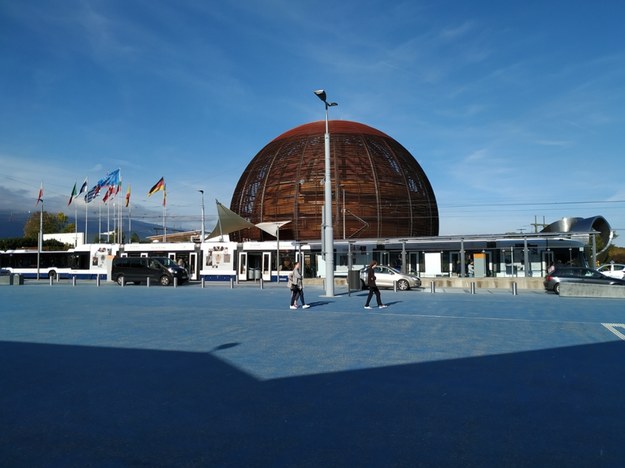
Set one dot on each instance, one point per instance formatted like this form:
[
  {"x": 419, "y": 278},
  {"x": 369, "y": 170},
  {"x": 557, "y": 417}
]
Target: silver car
[
  {"x": 386, "y": 277},
  {"x": 577, "y": 275},
  {"x": 614, "y": 270}
]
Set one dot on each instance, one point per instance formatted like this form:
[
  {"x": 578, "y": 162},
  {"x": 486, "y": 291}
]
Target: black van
[{"x": 138, "y": 269}]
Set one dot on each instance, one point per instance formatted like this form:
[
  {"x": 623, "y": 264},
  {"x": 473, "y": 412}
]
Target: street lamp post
[
  {"x": 328, "y": 233},
  {"x": 202, "y": 231}
]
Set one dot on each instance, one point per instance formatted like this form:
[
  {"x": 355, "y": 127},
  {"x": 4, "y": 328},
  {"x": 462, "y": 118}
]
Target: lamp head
[{"x": 321, "y": 94}]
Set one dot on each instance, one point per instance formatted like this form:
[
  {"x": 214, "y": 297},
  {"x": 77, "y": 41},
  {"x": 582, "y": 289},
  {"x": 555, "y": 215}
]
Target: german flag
[{"x": 160, "y": 185}]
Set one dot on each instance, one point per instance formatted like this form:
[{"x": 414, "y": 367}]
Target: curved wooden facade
[{"x": 379, "y": 189}]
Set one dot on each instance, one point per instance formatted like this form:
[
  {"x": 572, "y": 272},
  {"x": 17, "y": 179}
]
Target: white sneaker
[
  {"x": 292, "y": 307},
  {"x": 305, "y": 306},
  {"x": 383, "y": 306},
  {"x": 367, "y": 307}
]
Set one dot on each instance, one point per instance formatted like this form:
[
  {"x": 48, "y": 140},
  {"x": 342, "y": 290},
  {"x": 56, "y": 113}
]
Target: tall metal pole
[
  {"x": 202, "y": 239},
  {"x": 278, "y": 252},
  {"x": 328, "y": 229},
  {"x": 40, "y": 240}
]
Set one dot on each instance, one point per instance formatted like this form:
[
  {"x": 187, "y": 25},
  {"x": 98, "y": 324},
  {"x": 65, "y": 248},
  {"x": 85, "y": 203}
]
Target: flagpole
[
  {"x": 85, "y": 188},
  {"x": 165, "y": 214},
  {"x": 164, "y": 223},
  {"x": 129, "y": 214},
  {"x": 120, "y": 226},
  {"x": 221, "y": 235},
  {"x": 86, "y": 220},
  {"x": 118, "y": 213},
  {"x": 99, "y": 222},
  {"x": 75, "y": 225},
  {"x": 108, "y": 223},
  {"x": 40, "y": 240}
]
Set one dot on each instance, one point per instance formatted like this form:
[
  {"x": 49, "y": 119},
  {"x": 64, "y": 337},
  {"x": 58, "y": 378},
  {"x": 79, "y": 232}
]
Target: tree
[
  {"x": 616, "y": 254},
  {"x": 52, "y": 223}
]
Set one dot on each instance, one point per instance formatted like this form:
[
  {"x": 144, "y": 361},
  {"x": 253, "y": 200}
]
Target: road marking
[{"x": 613, "y": 328}]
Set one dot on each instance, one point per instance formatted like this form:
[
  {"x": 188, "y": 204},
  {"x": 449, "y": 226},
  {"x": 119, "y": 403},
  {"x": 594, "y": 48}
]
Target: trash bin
[
  {"x": 256, "y": 273},
  {"x": 353, "y": 280},
  {"x": 17, "y": 279}
]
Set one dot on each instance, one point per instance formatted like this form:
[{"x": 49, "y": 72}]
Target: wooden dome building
[{"x": 378, "y": 188}]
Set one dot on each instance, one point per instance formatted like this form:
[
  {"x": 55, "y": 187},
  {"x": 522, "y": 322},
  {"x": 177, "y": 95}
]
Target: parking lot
[{"x": 222, "y": 376}]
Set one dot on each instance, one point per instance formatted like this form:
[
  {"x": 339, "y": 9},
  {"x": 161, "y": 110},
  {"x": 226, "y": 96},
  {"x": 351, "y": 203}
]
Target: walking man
[{"x": 373, "y": 288}]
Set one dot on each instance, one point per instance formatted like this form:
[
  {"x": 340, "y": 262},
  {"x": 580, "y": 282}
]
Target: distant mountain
[{"x": 12, "y": 225}]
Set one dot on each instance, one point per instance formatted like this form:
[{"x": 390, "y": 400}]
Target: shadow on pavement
[{"x": 77, "y": 406}]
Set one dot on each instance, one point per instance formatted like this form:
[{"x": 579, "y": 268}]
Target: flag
[
  {"x": 111, "y": 178},
  {"x": 128, "y": 197},
  {"x": 92, "y": 194},
  {"x": 40, "y": 196},
  {"x": 160, "y": 185},
  {"x": 109, "y": 193},
  {"x": 83, "y": 188},
  {"x": 73, "y": 194}
]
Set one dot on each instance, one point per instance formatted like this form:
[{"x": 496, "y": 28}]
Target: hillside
[{"x": 12, "y": 225}]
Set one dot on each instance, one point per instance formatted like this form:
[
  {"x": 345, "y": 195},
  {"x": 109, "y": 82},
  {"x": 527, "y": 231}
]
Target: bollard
[
  {"x": 123, "y": 281},
  {"x": 514, "y": 289},
  {"x": 472, "y": 288},
  {"x": 231, "y": 282},
  {"x": 203, "y": 282},
  {"x": 97, "y": 280},
  {"x": 432, "y": 287},
  {"x": 74, "y": 280},
  {"x": 395, "y": 286},
  {"x": 261, "y": 283},
  {"x": 175, "y": 282},
  {"x": 147, "y": 282},
  {"x": 51, "y": 280}
]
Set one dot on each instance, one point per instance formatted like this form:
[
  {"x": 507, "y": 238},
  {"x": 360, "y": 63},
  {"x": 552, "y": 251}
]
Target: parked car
[
  {"x": 577, "y": 275},
  {"x": 385, "y": 277},
  {"x": 137, "y": 270},
  {"x": 615, "y": 270}
]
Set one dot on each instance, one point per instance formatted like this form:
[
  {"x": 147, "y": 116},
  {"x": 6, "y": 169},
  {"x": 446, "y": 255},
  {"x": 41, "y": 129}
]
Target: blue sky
[{"x": 515, "y": 110}]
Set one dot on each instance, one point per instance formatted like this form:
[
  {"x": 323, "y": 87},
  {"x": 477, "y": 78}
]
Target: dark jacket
[{"x": 371, "y": 277}]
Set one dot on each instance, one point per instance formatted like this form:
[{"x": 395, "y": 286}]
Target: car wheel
[
  {"x": 52, "y": 274},
  {"x": 403, "y": 285},
  {"x": 165, "y": 280},
  {"x": 120, "y": 280},
  {"x": 556, "y": 288}
]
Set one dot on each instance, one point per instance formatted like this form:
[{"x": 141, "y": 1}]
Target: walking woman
[
  {"x": 373, "y": 288},
  {"x": 297, "y": 287}
]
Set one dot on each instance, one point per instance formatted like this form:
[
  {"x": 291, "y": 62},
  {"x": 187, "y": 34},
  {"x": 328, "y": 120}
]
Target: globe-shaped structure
[{"x": 379, "y": 190}]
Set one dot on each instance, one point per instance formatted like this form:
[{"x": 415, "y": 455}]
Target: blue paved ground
[{"x": 190, "y": 376}]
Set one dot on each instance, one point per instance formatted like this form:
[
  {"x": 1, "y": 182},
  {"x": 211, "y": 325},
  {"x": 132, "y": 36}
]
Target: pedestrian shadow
[
  {"x": 224, "y": 346},
  {"x": 319, "y": 303}
]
